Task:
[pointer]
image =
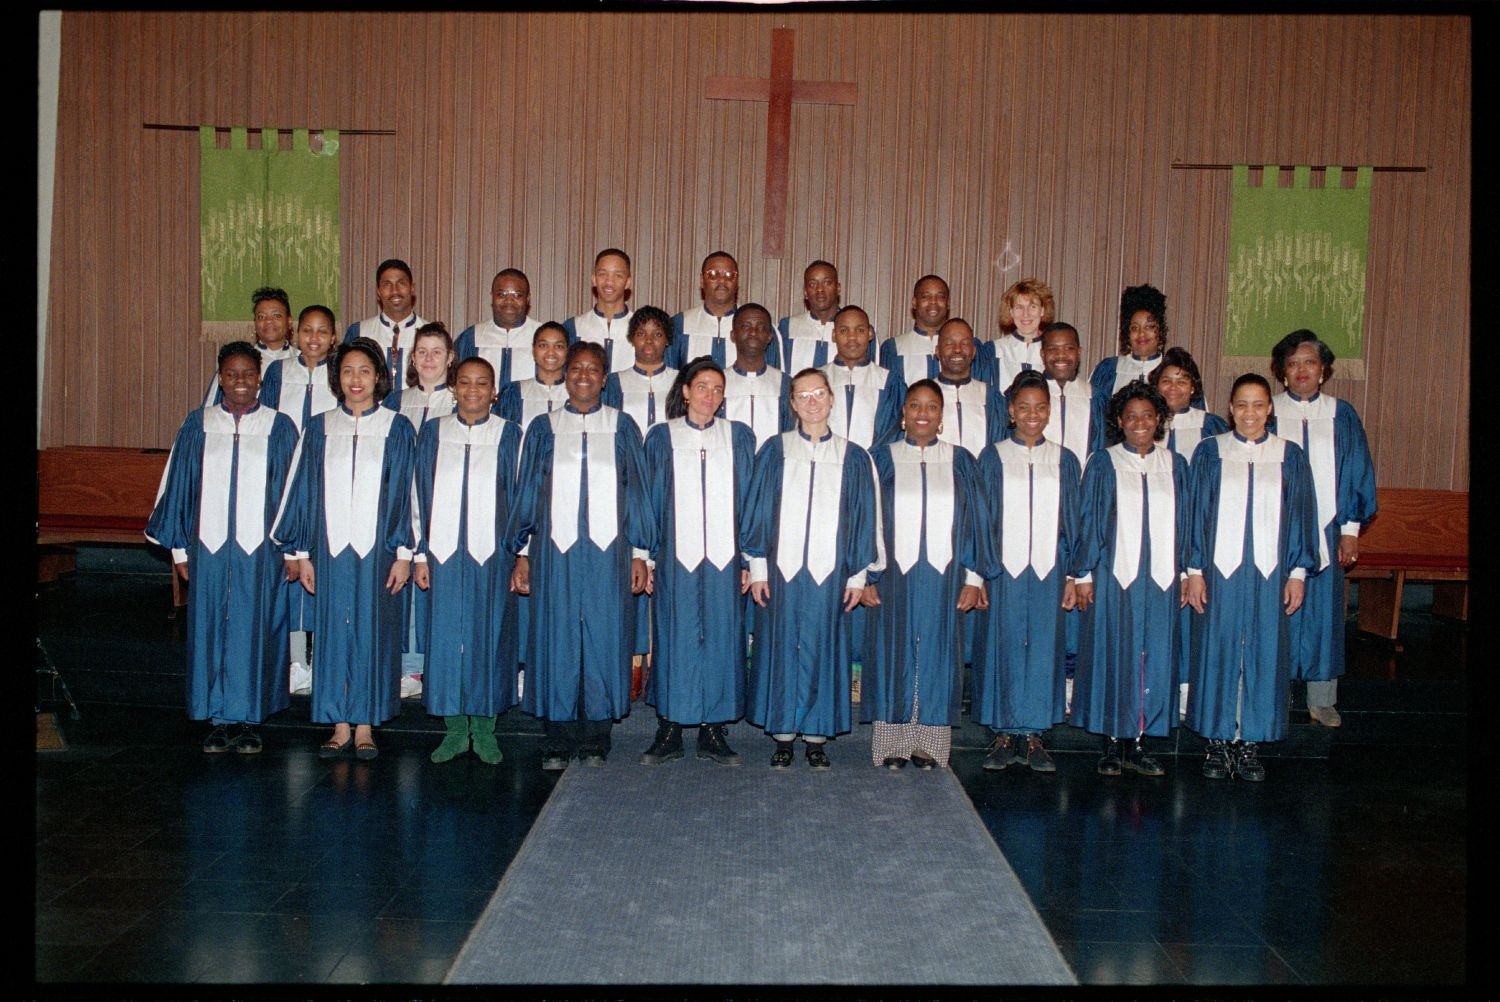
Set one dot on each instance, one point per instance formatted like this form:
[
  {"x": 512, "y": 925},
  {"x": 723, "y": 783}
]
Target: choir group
[{"x": 756, "y": 510}]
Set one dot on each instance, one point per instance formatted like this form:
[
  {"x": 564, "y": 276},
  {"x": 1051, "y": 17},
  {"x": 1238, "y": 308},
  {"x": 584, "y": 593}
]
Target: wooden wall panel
[{"x": 982, "y": 148}]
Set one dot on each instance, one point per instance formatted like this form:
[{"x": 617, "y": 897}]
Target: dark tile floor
[{"x": 155, "y": 862}]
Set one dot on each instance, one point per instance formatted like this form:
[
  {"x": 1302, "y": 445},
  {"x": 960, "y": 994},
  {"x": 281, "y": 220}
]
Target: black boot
[
  {"x": 713, "y": 744},
  {"x": 1136, "y": 760},
  {"x": 667, "y": 746},
  {"x": 1217, "y": 764},
  {"x": 1247, "y": 763},
  {"x": 1109, "y": 758}
]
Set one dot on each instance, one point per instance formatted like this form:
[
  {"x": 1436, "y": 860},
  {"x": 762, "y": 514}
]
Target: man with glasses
[
  {"x": 504, "y": 341},
  {"x": 705, "y": 330}
]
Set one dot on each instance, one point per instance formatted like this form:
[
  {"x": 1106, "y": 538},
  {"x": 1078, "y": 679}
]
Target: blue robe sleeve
[
  {"x": 630, "y": 463},
  {"x": 612, "y": 396},
  {"x": 1356, "y": 469},
  {"x": 1213, "y": 424},
  {"x": 783, "y": 339},
  {"x": 1069, "y": 502},
  {"x": 744, "y": 474},
  {"x": 996, "y": 417},
  {"x": 1182, "y": 486},
  {"x": 1299, "y": 511},
  {"x": 888, "y": 356},
  {"x": 986, "y": 366},
  {"x": 298, "y": 520},
  {"x": 888, "y": 412},
  {"x": 677, "y": 345},
  {"x": 788, "y": 416},
  {"x": 1098, "y": 416},
  {"x": 990, "y": 509},
  {"x": 535, "y": 467},
  {"x": 1102, "y": 379},
  {"x": 760, "y": 516},
  {"x": 392, "y": 400},
  {"x": 658, "y": 457},
  {"x": 464, "y": 348},
  {"x": 1096, "y": 514},
  {"x": 424, "y": 471},
  {"x": 400, "y": 454},
  {"x": 885, "y": 483},
  {"x": 1205, "y": 504},
  {"x": 773, "y": 353},
  {"x": 857, "y": 522},
  {"x": 270, "y": 385},
  {"x": 973, "y": 542},
  {"x": 508, "y": 403},
  {"x": 173, "y": 519},
  {"x": 570, "y": 328},
  {"x": 352, "y": 332}
]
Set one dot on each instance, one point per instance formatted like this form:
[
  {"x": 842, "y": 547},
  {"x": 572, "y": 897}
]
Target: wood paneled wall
[{"x": 983, "y": 148}]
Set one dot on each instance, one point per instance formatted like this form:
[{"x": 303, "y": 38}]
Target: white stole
[
  {"x": 1013, "y": 353},
  {"x": 1236, "y": 459},
  {"x": 295, "y": 379},
  {"x": 479, "y": 446},
  {"x": 703, "y": 493},
  {"x": 918, "y": 467},
  {"x": 1030, "y": 486},
  {"x": 219, "y": 443},
  {"x": 541, "y": 398},
  {"x": 1144, "y": 482},
  {"x": 380, "y": 333},
  {"x": 1068, "y": 424},
  {"x": 1310, "y": 424},
  {"x": 868, "y": 382},
  {"x": 354, "y": 457},
  {"x": 915, "y": 348},
  {"x": 701, "y": 328},
  {"x": 491, "y": 341},
  {"x": 965, "y": 421},
  {"x": 1187, "y": 431},
  {"x": 754, "y": 400},
  {"x": 1129, "y": 369},
  {"x": 803, "y": 335},
  {"x": 636, "y": 390},
  {"x": 610, "y": 333},
  {"x": 569, "y": 432},
  {"x": 812, "y": 478},
  {"x": 418, "y": 405}
]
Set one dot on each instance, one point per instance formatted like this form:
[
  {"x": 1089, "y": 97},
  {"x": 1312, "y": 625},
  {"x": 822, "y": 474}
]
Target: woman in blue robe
[
  {"x": 811, "y": 533},
  {"x": 523, "y": 400},
  {"x": 214, "y": 510},
  {"x": 346, "y": 522},
  {"x": 1253, "y": 541},
  {"x": 912, "y": 687},
  {"x": 1031, "y": 489},
  {"x": 700, "y": 488},
  {"x": 1190, "y": 422},
  {"x": 1343, "y": 473},
  {"x": 581, "y": 525},
  {"x": 428, "y": 394},
  {"x": 1143, "y": 338},
  {"x": 1132, "y": 541},
  {"x": 465, "y": 477}
]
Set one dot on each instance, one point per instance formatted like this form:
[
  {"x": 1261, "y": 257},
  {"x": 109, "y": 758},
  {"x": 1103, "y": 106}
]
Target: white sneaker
[
  {"x": 300, "y": 682},
  {"x": 411, "y": 686}
]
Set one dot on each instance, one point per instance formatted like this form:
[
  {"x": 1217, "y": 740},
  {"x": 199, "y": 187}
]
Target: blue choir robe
[
  {"x": 699, "y": 490},
  {"x": 1252, "y": 526},
  {"x": 1112, "y": 373},
  {"x": 611, "y": 332},
  {"x": 1188, "y": 427},
  {"x": 1132, "y": 544},
  {"x": 290, "y": 387},
  {"x": 761, "y": 401},
  {"x": 904, "y": 355},
  {"x": 935, "y": 543},
  {"x": 698, "y": 332},
  {"x": 214, "y": 509},
  {"x": 465, "y": 477},
  {"x": 396, "y": 337},
  {"x": 807, "y": 342},
  {"x": 524, "y": 401},
  {"x": 507, "y": 349},
  {"x": 348, "y": 510},
  {"x": 1031, "y": 501},
  {"x": 811, "y": 532},
  {"x": 866, "y": 403},
  {"x": 1077, "y": 418},
  {"x": 215, "y": 393},
  {"x": 1343, "y": 475},
  {"x": 974, "y": 414},
  {"x": 417, "y": 406},
  {"x": 1014, "y": 354},
  {"x": 581, "y": 513}
]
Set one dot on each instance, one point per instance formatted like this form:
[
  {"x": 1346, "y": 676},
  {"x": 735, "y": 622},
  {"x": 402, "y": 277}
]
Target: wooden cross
[{"x": 780, "y": 91}]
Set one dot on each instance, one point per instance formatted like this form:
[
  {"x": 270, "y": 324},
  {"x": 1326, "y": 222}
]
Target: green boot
[
  {"x": 485, "y": 746},
  {"x": 456, "y": 742}
]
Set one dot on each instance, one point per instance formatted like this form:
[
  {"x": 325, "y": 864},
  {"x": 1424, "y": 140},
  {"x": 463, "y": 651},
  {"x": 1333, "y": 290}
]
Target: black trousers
[{"x": 574, "y": 734}]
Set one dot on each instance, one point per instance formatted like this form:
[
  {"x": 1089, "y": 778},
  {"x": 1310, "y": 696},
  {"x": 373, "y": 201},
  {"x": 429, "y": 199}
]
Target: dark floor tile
[
  {"x": 1430, "y": 963},
  {"x": 196, "y": 931},
  {"x": 63, "y": 962},
  {"x": 126, "y": 893},
  {"x": 182, "y": 865},
  {"x": 1126, "y": 926},
  {"x": 248, "y": 863},
  {"x": 431, "y": 937},
  {"x": 255, "y": 897},
  {"x": 83, "y": 926},
  {"x": 314, "y": 933},
  {"x": 50, "y": 888},
  {"x": 358, "y": 900},
  {"x": 1119, "y": 963},
  {"x": 449, "y": 903},
  {"x": 1230, "y": 965},
  {"x": 240, "y": 967},
  {"x": 366, "y": 969},
  {"x": 146, "y": 963}
]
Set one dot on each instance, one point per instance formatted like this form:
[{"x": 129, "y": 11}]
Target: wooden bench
[
  {"x": 1416, "y": 535},
  {"x": 91, "y": 494}
]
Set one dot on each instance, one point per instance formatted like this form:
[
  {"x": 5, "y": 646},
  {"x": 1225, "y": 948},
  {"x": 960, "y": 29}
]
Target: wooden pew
[
  {"x": 1417, "y": 535},
  {"x": 92, "y": 494}
]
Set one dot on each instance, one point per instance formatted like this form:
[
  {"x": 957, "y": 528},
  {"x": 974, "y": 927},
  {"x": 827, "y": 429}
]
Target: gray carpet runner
[{"x": 695, "y": 873}]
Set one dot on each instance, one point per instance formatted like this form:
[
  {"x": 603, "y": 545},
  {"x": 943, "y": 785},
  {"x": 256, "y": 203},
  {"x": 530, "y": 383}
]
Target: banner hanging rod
[
  {"x": 1377, "y": 170},
  {"x": 194, "y": 128}
]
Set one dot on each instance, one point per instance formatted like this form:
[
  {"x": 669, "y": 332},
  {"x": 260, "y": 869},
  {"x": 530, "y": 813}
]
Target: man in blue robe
[
  {"x": 394, "y": 327},
  {"x": 608, "y": 322},
  {"x": 504, "y": 340}
]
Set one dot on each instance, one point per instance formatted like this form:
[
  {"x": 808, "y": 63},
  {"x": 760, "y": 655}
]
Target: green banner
[
  {"x": 267, "y": 217},
  {"x": 1297, "y": 259}
]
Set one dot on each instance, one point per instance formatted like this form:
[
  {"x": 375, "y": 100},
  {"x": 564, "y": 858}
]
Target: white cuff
[
  {"x": 759, "y": 569},
  {"x": 855, "y": 581},
  {"x": 1194, "y": 572},
  {"x": 1084, "y": 578},
  {"x": 420, "y": 558},
  {"x": 636, "y": 553},
  {"x": 301, "y": 555},
  {"x": 973, "y": 578},
  {"x": 525, "y": 551},
  {"x": 403, "y": 553},
  {"x": 179, "y": 555},
  {"x": 1298, "y": 574},
  {"x": 1349, "y": 529}
]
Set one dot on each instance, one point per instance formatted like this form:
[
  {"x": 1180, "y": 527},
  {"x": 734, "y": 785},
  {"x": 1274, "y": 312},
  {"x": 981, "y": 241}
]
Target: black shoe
[
  {"x": 817, "y": 756},
  {"x": 1002, "y": 753},
  {"x": 1037, "y": 759},
  {"x": 593, "y": 756},
  {"x": 1109, "y": 759},
  {"x": 1136, "y": 760},
  {"x": 217, "y": 740},
  {"x": 668, "y": 744},
  {"x": 1217, "y": 763},
  {"x": 713, "y": 744},
  {"x": 895, "y": 763},
  {"x": 246, "y": 741},
  {"x": 781, "y": 758},
  {"x": 1247, "y": 763},
  {"x": 923, "y": 761},
  {"x": 555, "y": 759}
]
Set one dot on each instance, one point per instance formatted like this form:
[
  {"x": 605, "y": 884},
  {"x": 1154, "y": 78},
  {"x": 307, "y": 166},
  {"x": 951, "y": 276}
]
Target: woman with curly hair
[{"x": 1143, "y": 337}]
